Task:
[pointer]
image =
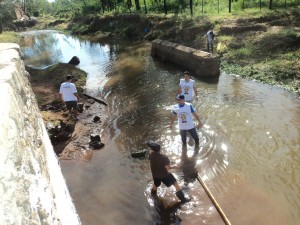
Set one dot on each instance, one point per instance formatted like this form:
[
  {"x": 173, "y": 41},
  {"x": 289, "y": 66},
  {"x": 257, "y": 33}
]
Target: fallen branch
[{"x": 96, "y": 99}]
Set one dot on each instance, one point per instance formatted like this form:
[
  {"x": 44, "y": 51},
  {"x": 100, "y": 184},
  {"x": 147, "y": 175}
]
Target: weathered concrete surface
[
  {"x": 32, "y": 188},
  {"x": 198, "y": 62}
]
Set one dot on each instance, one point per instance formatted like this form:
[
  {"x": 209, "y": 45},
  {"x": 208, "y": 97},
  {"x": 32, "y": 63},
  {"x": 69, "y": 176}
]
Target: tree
[
  {"x": 165, "y": 7},
  {"x": 137, "y": 5},
  {"x": 7, "y": 12},
  {"x": 191, "y": 7},
  {"x": 271, "y": 4},
  {"x": 145, "y": 5},
  {"x": 129, "y": 5},
  {"x": 1, "y": 28}
]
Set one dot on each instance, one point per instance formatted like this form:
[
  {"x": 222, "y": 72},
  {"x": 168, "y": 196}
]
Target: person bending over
[{"x": 160, "y": 166}]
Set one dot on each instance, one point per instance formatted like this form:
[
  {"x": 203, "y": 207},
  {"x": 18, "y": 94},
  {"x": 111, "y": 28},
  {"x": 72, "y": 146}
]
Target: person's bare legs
[
  {"x": 73, "y": 113},
  {"x": 153, "y": 189},
  {"x": 177, "y": 186}
]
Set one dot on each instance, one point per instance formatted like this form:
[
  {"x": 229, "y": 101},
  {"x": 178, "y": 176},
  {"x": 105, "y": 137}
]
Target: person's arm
[
  {"x": 61, "y": 97},
  {"x": 198, "y": 119},
  {"x": 75, "y": 91},
  {"x": 170, "y": 167},
  {"x": 179, "y": 90},
  {"x": 77, "y": 96},
  {"x": 173, "y": 118},
  {"x": 195, "y": 90}
]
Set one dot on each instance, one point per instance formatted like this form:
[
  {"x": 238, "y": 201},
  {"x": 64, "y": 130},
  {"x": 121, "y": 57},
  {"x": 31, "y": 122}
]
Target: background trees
[
  {"x": 189, "y": 7},
  {"x": 71, "y": 8},
  {"x": 7, "y": 13}
]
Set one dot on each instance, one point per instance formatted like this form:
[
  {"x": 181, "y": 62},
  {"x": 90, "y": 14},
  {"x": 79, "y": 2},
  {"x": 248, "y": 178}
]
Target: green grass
[{"x": 9, "y": 37}]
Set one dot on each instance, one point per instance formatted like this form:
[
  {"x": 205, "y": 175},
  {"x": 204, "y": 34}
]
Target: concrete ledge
[
  {"x": 198, "y": 62},
  {"x": 32, "y": 187}
]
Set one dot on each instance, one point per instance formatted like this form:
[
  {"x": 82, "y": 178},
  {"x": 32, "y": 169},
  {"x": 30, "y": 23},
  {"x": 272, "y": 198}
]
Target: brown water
[{"x": 249, "y": 156}]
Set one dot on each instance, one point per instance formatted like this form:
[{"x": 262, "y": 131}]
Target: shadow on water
[
  {"x": 209, "y": 80},
  {"x": 165, "y": 214},
  {"x": 188, "y": 165},
  {"x": 171, "y": 66}
]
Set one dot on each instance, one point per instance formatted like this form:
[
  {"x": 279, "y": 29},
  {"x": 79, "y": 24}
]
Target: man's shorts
[
  {"x": 168, "y": 181},
  {"x": 72, "y": 105}
]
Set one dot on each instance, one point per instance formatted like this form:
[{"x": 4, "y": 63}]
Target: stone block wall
[
  {"x": 199, "y": 63},
  {"x": 32, "y": 187}
]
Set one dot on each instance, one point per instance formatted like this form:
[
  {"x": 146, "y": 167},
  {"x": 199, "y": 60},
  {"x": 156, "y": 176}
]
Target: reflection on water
[
  {"x": 248, "y": 157},
  {"x": 44, "y": 48}
]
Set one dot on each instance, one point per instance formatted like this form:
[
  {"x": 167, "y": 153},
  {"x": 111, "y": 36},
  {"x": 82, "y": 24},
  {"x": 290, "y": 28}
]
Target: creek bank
[{"x": 69, "y": 137}]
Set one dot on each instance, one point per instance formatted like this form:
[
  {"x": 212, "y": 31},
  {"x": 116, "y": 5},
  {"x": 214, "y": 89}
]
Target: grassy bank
[
  {"x": 270, "y": 55},
  {"x": 9, "y": 37}
]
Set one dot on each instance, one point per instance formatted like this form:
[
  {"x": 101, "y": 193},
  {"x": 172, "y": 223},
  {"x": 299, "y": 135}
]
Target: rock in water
[{"x": 74, "y": 61}]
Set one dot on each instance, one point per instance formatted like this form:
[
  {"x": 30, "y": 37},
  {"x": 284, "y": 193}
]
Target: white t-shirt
[
  {"x": 67, "y": 90},
  {"x": 184, "y": 114},
  {"x": 187, "y": 89}
]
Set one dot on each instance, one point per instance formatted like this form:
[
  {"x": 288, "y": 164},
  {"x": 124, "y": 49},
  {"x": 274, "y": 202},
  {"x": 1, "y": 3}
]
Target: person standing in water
[
  {"x": 187, "y": 87},
  {"x": 184, "y": 112},
  {"x": 160, "y": 166}
]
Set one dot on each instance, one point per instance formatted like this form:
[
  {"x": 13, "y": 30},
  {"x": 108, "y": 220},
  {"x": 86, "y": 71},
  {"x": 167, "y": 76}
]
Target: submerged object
[{"x": 139, "y": 154}]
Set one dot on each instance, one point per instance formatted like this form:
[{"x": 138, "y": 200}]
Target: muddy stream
[{"x": 249, "y": 154}]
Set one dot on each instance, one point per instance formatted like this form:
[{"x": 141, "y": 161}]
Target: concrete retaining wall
[
  {"x": 198, "y": 62},
  {"x": 32, "y": 187}
]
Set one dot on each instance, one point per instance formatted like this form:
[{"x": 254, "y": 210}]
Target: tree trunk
[
  {"x": 137, "y": 5},
  {"x": 145, "y": 5},
  {"x": 230, "y": 6},
  {"x": 129, "y": 4},
  {"x": 259, "y": 4},
  {"x": 191, "y": 7},
  {"x": 271, "y": 4},
  {"x": 24, "y": 6},
  {"x": 1, "y": 28},
  {"x": 165, "y": 7}
]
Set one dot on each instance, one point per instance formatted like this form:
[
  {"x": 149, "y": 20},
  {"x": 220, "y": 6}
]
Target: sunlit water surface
[{"x": 249, "y": 154}]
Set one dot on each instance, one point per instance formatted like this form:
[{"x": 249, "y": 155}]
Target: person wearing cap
[
  {"x": 184, "y": 112},
  {"x": 187, "y": 87},
  {"x": 68, "y": 94},
  {"x": 160, "y": 166}
]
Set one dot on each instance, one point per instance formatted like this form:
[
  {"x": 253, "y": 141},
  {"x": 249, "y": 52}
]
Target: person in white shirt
[
  {"x": 183, "y": 112},
  {"x": 187, "y": 87},
  {"x": 68, "y": 94}
]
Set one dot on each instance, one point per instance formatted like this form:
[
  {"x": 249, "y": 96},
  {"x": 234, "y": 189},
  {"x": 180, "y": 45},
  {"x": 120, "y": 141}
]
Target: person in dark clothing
[
  {"x": 160, "y": 166},
  {"x": 210, "y": 41}
]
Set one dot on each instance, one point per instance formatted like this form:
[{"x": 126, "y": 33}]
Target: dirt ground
[
  {"x": 70, "y": 137},
  {"x": 77, "y": 146}
]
